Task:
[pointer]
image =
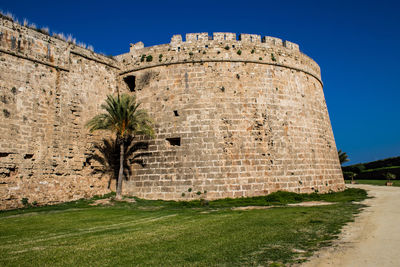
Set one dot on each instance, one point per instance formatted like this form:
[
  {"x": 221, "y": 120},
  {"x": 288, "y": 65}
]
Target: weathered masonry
[
  {"x": 233, "y": 117},
  {"x": 48, "y": 90}
]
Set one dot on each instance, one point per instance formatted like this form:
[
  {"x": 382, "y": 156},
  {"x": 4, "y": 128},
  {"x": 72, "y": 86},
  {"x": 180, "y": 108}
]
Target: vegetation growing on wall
[{"x": 45, "y": 30}]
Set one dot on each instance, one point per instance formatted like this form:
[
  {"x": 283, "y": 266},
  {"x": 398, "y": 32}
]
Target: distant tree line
[{"x": 376, "y": 170}]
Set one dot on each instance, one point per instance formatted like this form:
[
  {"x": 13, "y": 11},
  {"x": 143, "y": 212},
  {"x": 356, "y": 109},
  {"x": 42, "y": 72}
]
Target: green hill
[{"x": 375, "y": 170}]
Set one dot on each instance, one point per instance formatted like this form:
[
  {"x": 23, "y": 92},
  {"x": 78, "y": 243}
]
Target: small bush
[
  {"x": 160, "y": 57},
  {"x": 349, "y": 175},
  {"x": 183, "y": 194},
  {"x": 44, "y": 30},
  {"x": 149, "y": 58},
  {"x": 226, "y": 47},
  {"x": 260, "y": 58},
  {"x": 198, "y": 193},
  {"x": 252, "y": 51},
  {"x": 390, "y": 176},
  {"x": 190, "y": 53},
  {"x": 6, "y": 113},
  {"x": 143, "y": 57},
  {"x": 273, "y": 57},
  {"x": 204, "y": 202},
  {"x": 239, "y": 52},
  {"x": 25, "y": 201},
  {"x": 190, "y": 190}
]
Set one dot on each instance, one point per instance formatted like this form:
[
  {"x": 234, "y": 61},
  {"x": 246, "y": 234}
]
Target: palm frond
[
  {"x": 343, "y": 156},
  {"x": 99, "y": 122},
  {"x": 122, "y": 116}
]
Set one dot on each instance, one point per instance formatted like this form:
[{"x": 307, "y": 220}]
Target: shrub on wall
[{"x": 149, "y": 58}]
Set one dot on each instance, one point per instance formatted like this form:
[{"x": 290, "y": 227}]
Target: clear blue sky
[{"x": 356, "y": 44}]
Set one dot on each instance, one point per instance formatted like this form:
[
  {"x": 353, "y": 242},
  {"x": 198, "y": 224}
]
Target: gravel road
[{"x": 373, "y": 239}]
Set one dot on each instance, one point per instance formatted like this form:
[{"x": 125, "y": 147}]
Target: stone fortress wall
[
  {"x": 48, "y": 90},
  {"x": 232, "y": 117}
]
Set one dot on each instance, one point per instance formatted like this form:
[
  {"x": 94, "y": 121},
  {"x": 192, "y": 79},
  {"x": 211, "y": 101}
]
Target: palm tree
[
  {"x": 343, "y": 157},
  {"x": 124, "y": 118}
]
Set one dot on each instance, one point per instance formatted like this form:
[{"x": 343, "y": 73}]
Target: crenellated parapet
[
  {"x": 224, "y": 36},
  {"x": 250, "y": 38},
  {"x": 221, "y": 46},
  {"x": 41, "y": 48},
  {"x": 197, "y": 37}
]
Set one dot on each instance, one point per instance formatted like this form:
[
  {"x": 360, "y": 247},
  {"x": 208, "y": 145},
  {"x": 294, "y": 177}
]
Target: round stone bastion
[{"x": 234, "y": 117}]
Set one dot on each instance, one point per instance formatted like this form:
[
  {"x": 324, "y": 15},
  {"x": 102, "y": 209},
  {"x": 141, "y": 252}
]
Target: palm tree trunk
[{"x": 121, "y": 171}]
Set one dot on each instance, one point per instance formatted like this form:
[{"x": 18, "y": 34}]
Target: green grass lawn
[
  {"x": 166, "y": 233},
  {"x": 373, "y": 182}
]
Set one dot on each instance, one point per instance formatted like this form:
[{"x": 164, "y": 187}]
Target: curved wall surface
[{"x": 233, "y": 118}]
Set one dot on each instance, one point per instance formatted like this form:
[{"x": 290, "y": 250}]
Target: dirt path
[{"x": 373, "y": 239}]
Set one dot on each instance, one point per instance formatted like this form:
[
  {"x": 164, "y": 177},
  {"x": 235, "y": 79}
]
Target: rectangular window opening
[
  {"x": 28, "y": 156},
  {"x": 130, "y": 82},
  {"x": 174, "y": 141}
]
